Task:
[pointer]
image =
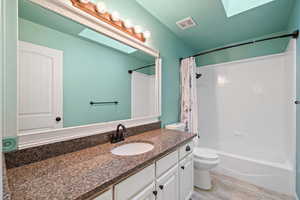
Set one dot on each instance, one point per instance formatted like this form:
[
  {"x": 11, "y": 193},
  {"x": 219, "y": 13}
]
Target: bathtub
[{"x": 273, "y": 176}]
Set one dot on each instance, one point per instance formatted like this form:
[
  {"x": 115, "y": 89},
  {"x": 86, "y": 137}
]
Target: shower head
[{"x": 198, "y": 75}]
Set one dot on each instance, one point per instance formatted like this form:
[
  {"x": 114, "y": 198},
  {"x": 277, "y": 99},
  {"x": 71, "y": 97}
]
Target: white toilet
[{"x": 204, "y": 161}]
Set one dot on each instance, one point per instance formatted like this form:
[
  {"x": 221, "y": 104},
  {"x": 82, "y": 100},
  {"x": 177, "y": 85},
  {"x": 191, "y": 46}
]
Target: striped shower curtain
[{"x": 189, "y": 103}]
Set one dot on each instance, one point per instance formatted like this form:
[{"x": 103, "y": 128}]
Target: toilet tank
[{"x": 176, "y": 126}]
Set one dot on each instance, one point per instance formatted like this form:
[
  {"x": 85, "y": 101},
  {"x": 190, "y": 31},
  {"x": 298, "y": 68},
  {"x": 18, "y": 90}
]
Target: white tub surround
[{"x": 247, "y": 114}]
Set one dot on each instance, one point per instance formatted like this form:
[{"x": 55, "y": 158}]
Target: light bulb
[
  {"x": 101, "y": 7},
  {"x": 128, "y": 23},
  {"x": 84, "y": 1},
  {"x": 115, "y": 16},
  {"x": 138, "y": 29},
  {"x": 147, "y": 34}
]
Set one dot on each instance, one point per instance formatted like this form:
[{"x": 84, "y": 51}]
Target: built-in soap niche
[{"x": 99, "y": 11}]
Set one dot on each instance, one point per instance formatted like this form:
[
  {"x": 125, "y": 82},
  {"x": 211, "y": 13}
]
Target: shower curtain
[{"x": 189, "y": 104}]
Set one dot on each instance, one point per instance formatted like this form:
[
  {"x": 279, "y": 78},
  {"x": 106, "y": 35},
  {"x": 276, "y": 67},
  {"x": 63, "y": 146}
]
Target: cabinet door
[
  {"x": 186, "y": 178},
  {"x": 146, "y": 194},
  {"x": 131, "y": 187},
  {"x": 105, "y": 196},
  {"x": 167, "y": 185}
]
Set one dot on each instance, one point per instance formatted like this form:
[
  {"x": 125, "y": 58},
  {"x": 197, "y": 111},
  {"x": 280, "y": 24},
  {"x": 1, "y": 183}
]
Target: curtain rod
[
  {"x": 295, "y": 35},
  {"x": 130, "y": 71}
]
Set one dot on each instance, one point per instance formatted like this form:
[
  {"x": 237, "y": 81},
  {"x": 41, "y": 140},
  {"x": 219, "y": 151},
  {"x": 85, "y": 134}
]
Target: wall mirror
[{"x": 70, "y": 75}]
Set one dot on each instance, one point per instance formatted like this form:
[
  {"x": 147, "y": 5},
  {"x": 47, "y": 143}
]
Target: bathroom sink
[{"x": 131, "y": 149}]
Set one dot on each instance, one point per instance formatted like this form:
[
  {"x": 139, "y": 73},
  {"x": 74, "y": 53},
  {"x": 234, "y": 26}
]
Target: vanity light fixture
[
  {"x": 101, "y": 7},
  {"x": 147, "y": 34},
  {"x": 128, "y": 23},
  {"x": 99, "y": 10},
  {"x": 138, "y": 29},
  {"x": 115, "y": 16},
  {"x": 84, "y": 1}
]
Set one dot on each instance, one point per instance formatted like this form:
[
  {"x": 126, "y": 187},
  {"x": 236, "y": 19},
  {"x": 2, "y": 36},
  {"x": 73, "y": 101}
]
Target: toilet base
[{"x": 202, "y": 179}]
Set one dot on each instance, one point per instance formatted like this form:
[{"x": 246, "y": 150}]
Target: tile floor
[{"x": 228, "y": 188}]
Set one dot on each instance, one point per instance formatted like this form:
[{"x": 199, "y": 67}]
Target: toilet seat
[{"x": 205, "y": 154}]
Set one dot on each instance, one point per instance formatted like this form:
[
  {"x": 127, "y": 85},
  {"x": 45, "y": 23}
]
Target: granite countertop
[{"x": 84, "y": 173}]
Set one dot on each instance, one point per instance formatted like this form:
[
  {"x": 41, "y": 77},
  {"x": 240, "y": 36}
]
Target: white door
[
  {"x": 146, "y": 194},
  {"x": 40, "y": 88},
  {"x": 186, "y": 179},
  {"x": 167, "y": 185}
]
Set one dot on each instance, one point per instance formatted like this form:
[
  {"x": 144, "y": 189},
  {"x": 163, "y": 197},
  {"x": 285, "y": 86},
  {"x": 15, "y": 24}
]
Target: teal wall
[
  {"x": 293, "y": 25},
  {"x": 91, "y": 72},
  {"x": 244, "y": 52}
]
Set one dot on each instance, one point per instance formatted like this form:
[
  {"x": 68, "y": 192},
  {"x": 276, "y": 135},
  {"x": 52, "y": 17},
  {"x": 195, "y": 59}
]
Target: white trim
[
  {"x": 18, "y": 76},
  {"x": 3, "y": 24},
  {"x": 47, "y": 137},
  {"x": 296, "y": 196},
  {"x": 65, "y": 8},
  {"x": 1, "y": 91},
  {"x": 292, "y": 51},
  {"x": 242, "y": 60},
  {"x": 158, "y": 77}
]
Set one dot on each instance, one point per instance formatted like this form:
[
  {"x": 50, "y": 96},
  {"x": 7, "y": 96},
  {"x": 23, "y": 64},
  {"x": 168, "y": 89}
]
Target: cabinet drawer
[
  {"x": 105, "y": 196},
  {"x": 186, "y": 149},
  {"x": 132, "y": 185},
  {"x": 166, "y": 163}
]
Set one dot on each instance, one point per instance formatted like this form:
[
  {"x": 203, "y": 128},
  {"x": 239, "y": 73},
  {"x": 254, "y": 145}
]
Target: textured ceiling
[{"x": 214, "y": 28}]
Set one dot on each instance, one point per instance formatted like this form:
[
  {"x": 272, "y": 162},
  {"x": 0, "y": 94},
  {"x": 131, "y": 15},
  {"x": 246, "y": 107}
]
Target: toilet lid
[{"x": 205, "y": 154}]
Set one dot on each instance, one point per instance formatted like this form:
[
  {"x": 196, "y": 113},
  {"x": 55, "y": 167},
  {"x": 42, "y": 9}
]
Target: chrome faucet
[{"x": 118, "y": 136}]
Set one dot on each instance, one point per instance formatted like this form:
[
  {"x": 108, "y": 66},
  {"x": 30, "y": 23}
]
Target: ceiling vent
[{"x": 186, "y": 23}]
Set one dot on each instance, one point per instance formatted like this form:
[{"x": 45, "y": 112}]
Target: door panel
[
  {"x": 40, "y": 87},
  {"x": 146, "y": 194},
  {"x": 167, "y": 185},
  {"x": 133, "y": 185},
  {"x": 186, "y": 179}
]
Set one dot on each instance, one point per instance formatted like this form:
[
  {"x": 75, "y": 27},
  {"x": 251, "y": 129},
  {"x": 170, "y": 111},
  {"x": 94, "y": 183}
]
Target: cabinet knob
[
  {"x": 188, "y": 148},
  {"x": 182, "y": 167},
  {"x": 155, "y": 193},
  {"x": 297, "y": 102},
  {"x": 58, "y": 119},
  {"x": 161, "y": 187}
]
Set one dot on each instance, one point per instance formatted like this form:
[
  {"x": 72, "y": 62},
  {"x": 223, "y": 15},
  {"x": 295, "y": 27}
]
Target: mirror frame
[{"x": 66, "y": 9}]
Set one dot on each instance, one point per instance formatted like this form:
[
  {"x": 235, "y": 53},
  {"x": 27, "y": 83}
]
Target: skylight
[
  {"x": 104, "y": 40},
  {"x": 234, "y": 7}
]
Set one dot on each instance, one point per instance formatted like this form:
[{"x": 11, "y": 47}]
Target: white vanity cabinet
[
  {"x": 170, "y": 178},
  {"x": 108, "y": 195}
]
